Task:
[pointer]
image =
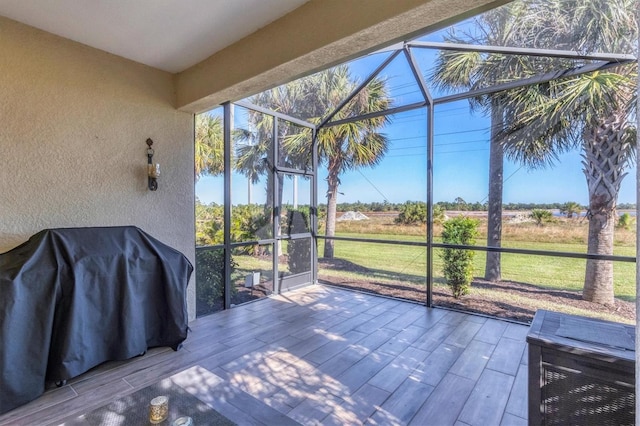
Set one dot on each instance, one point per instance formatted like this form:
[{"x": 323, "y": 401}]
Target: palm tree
[
  {"x": 252, "y": 155},
  {"x": 346, "y": 146},
  {"x": 255, "y": 144},
  {"x": 342, "y": 147},
  {"x": 209, "y": 145},
  {"x": 473, "y": 70},
  {"x": 589, "y": 111},
  {"x": 570, "y": 208},
  {"x": 540, "y": 216}
]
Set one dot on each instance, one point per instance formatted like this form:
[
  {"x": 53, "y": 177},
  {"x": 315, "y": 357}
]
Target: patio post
[
  {"x": 313, "y": 211},
  {"x": 227, "y": 123},
  {"x": 637, "y": 222},
  {"x": 430, "y": 136},
  {"x": 276, "y": 187},
  {"x": 426, "y": 94}
]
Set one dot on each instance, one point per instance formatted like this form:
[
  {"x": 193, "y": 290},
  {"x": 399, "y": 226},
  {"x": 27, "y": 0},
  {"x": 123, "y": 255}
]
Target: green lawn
[
  {"x": 390, "y": 264},
  {"x": 394, "y": 262}
]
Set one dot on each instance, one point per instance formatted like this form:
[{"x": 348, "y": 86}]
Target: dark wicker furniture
[{"x": 581, "y": 371}]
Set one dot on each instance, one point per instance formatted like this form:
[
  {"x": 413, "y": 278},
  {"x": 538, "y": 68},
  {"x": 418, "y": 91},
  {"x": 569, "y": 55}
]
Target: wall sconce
[{"x": 153, "y": 170}]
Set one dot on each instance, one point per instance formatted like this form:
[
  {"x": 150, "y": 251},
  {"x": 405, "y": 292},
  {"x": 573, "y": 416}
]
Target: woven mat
[{"x": 134, "y": 409}]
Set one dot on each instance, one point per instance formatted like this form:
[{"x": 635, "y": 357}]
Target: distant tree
[
  {"x": 541, "y": 216},
  {"x": 412, "y": 212},
  {"x": 460, "y": 203},
  {"x": 627, "y": 206},
  {"x": 570, "y": 208}
]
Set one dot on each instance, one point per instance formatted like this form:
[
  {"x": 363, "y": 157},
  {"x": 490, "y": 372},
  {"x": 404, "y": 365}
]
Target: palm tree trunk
[
  {"x": 332, "y": 200},
  {"x": 598, "y": 281},
  {"x": 604, "y": 160},
  {"x": 492, "y": 270},
  {"x": 271, "y": 207}
]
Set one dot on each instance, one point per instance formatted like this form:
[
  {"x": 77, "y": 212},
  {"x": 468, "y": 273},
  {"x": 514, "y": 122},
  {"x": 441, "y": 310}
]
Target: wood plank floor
[{"x": 321, "y": 355}]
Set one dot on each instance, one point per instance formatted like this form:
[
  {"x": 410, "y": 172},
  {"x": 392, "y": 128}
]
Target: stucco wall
[{"x": 73, "y": 125}]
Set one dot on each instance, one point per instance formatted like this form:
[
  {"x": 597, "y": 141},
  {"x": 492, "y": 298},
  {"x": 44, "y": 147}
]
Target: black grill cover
[{"x": 71, "y": 299}]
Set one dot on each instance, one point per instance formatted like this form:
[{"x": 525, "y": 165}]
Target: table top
[
  {"x": 133, "y": 409},
  {"x": 598, "y": 339}
]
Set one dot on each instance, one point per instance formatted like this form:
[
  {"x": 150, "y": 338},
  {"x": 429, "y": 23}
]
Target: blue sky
[{"x": 461, "y": 154}]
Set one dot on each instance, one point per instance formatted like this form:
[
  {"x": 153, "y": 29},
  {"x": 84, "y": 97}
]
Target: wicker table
[{"x": 581, "y": 371}]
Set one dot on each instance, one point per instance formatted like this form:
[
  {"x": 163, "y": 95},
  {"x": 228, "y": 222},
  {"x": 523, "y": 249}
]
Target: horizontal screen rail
[{"x": 574, "y": 255}]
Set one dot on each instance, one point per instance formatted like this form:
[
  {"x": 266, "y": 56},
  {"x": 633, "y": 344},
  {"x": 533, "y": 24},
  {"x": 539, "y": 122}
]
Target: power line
[
  {"x": 484, "y": 129},
  {"x": 463, "y": 150},
  {"x": 441, "y": 152},
  {"x": 408, "y": 138},
  {"x": 439, "y": 144},
  {"x": 374, "y": 187},
  {"x": 508, "y": 177},
  {"x": 460, "y": 142}
]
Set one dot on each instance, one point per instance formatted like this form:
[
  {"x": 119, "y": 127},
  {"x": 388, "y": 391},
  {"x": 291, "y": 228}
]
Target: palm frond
[{"x": 209, "y": 146}]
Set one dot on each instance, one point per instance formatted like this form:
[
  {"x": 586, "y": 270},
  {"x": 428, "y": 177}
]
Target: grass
[
  {"x": 409, "y": 263},
  {"x": 562, "y": 235},
  {"x": 563, "y": 230},
  {"x": 389, "y": 263},
  {"x": 394, "y": 264}
]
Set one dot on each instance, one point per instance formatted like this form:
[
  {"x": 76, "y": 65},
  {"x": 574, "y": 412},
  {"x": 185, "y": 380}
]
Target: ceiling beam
[
  {"x": 524, "y": 51},
  {"x": 319, "y": 34}
]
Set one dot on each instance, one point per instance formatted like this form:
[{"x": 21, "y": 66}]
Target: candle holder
[
  {"x": 153, "y": 169},
  {"x": 158, "y": 409},
  {"x": 182, "y": 421}
]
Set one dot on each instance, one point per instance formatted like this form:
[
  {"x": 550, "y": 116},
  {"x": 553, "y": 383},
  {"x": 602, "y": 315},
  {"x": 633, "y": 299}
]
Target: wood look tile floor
[{"x": 322, "y": 355}]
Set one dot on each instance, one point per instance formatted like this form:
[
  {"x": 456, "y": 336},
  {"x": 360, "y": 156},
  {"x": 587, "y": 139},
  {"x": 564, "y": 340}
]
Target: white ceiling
[{"x": 171, "y": 35}]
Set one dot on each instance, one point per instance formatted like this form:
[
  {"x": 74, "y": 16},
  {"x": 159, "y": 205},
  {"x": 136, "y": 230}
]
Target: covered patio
[{"x": 322, "y": 355}]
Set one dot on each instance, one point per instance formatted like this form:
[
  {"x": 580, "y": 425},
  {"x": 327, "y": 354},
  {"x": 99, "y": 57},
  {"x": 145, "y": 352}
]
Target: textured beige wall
[
  {"x": 73, "y": 125},
  {"x": 315, "y": 36}
]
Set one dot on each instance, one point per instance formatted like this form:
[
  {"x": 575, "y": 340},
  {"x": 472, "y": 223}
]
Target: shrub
[
  {"x": 625, "y": 221},
  {"x": 541, "y": 216},
  {"x": 438, "y": 214},
  {"x": 210, "y": 276},
  {"x": 209, "y": 224},
  {"x": 415, "y": 212},
  {"x": 458, "y": 263},
  {"x": 299, "y": 251},
  {"x": 412, "y": 212},
  {"x": 250, "y": 222}
]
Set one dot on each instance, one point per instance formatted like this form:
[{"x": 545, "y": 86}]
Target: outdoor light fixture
[{"x": 153, "y": 170}]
